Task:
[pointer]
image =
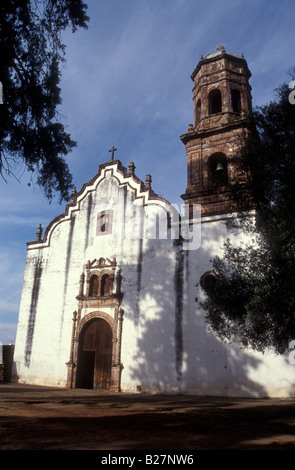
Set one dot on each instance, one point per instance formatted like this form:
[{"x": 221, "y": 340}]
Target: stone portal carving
[{"x": 99, "y": 290}]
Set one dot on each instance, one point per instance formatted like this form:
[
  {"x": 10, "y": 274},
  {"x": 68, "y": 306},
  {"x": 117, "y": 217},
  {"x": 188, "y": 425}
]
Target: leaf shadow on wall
[{"x": 175, "y": 350}]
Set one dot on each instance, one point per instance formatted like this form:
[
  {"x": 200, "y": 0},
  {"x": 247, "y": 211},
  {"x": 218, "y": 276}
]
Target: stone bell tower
[{"x": 222, "y": 102}]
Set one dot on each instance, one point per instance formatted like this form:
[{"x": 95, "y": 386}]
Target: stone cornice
[
  {"x": 218, "y": 56},
  {"x": 221, "y": 129}
]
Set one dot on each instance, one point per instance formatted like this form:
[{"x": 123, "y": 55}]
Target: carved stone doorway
[{"x": 94, "y": 367}]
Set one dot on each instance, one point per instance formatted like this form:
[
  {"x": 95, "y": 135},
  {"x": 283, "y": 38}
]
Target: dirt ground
[{"x": 40, "y": 418}]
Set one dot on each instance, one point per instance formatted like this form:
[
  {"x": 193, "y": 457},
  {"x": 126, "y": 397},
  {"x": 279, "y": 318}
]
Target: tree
[
  {"x": 31, "y": 56},
  {"x": 253, "y": 293}
]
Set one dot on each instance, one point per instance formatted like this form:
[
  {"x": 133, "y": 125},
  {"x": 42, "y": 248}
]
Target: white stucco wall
[
  {"x": 166, "y": 344},
  {"x": 211, "y": 367},
  {"x": 51, "y": 284}
]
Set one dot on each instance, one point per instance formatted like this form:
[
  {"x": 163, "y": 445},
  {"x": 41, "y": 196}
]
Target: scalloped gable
[{"x": 122, "y": 176}]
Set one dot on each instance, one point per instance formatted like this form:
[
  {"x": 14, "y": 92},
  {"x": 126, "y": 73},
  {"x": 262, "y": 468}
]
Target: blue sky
[{"x": 126, "y": 83}]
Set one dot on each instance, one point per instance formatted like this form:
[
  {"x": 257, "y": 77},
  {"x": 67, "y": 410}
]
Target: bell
[
  {"x": 219, "y": 167},
  {"x": 219, "y": 174}
]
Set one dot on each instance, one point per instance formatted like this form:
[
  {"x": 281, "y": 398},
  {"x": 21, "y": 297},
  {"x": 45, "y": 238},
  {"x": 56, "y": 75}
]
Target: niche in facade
[
  {"x": 104, "y": 222},
  {"x": 103, "y": 280},
  {"x": 93, "y": 285},
  {"x": 106, "y": 285},
  {"x": 208, "y": 281}
]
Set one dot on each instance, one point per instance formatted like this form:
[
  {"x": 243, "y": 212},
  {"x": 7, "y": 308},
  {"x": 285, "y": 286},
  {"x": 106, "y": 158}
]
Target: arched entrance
[{"x": 94, "y": 365}]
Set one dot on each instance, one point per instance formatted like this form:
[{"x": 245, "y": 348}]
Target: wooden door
[{"x": 96, "y": 355}]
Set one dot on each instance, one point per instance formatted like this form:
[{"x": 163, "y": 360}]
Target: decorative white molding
[{"x": 114, "y": 170}]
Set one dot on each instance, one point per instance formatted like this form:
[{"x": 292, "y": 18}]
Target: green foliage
[
  {"x": 254, "y": 293},
  {"x": 30, "y": 60}
]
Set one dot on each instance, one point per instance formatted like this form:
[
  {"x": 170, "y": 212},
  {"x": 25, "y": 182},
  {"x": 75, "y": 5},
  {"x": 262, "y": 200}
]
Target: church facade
[{"x": 113, "y": 288}]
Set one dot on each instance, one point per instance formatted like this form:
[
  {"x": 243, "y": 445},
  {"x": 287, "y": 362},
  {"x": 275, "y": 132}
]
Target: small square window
[{"x": 104, "y": 222}]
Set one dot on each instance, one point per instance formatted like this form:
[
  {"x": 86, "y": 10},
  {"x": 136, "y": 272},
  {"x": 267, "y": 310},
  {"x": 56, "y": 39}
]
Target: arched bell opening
[
  {"x": 214, "y": 101},
  {"x": 236, "y": 100},
  {"x": 217, "y": 170}
]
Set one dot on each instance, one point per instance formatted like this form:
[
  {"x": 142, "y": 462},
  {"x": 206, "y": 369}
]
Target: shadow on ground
[{"x": 40, "y": 418}]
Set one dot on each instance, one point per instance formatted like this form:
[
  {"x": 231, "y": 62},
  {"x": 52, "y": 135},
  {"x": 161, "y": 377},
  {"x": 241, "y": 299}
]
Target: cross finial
[
  {"x": 112, "y": 153},
  {"x": 221, "y": 48}
]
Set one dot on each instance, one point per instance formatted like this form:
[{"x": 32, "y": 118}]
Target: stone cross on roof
[
  {"x": 221, "y": 48},
  {"x": 112, "y": 153}
]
